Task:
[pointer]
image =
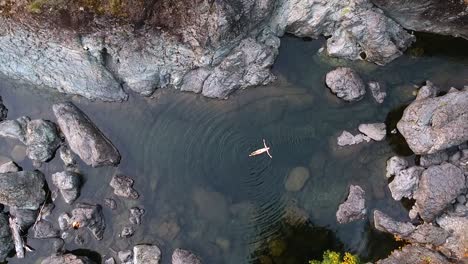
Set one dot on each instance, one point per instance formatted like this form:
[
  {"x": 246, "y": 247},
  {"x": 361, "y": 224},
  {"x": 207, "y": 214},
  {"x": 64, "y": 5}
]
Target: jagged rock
[
  {"x": 354, "y": 208},
  {"x": 347, "y": 139},
  {"x": 377, "y": 92},
  {"x": 296, "y": 179},
  {"x": 385, "y": 223},
  {"x": 15, "y": 129},
  {"x": 146, "y": 254},
  {"x": 45, "y": 229},
  {"x": 9, "y": 166},
  {"x": 375, "y": 131},
  {"x": 123, "y": 186},
  {"x": 414, "y": 254},
  {"x": 126, "y": 256},
  {"x": 346, "y": 84},
  {"x": 41, "y": 140},
  {"x": 67, "y": 259},
  {"x": 23, "y": 189},
  {"x": 405, "y": 183},
  {"x": 24, "y": 218},
  {"x": 68, "y": 183},
  {"x": 428, "y": 234},
  {"x": 427, "y": 91},
  {"x": 127, "y": 231},
  {"x": 181, "y": 256},
  {"x": 457, "y": 226},
  {"x": 394, "y": 165},
  {"x": 6, "y": 241},
  {"x": 135, "y": 215},
  {"x": 64, "y": 221},
  {"x": 438, "y": 186},
  {"x": 83, "y": 137},
  {"x": 433, "y": 159},
  {"x": 3, "y": 110},
  {"x": 91, "y": 217},
  {"x": 434, "y": 124},
  {"x": 66, "y": 155}
]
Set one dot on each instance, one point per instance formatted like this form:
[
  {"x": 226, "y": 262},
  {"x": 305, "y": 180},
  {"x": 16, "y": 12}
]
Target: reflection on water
[{"x": 201, "y": 191}]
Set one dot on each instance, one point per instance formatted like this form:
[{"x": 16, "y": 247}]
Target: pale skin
[{"x": 261, "y": 151}]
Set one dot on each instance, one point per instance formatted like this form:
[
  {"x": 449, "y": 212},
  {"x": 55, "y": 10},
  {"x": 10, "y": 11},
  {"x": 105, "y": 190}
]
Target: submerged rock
[
  {"x": 211, "y": 205},
  {"x": 89, "y": 216},
  {"x": 347, "y": 139},
  {"x": 296, "y": 179},
  {"x": 438, "y": 187},
  {"x": 181, "y": 256},
  {"x": 427, "y": 91},
  {"x": 394, "y": 165},
  {"x": 414, "y": 254},
  {"x": 68, "y": 183},
  {"x": 6, "y": 240},
  {"x": 135, "y": 215},
  {"x": 123, "y": 186},
  {"x": 405, "y": 183},
  {"x": 23, "y": 189},
  {"x": 377, "y": 92},
  {"x": 146, "y": 254},
  {"x": 346, "y": 84},
  {"x": 384, "y": 223},
  {"x": 45, "y": 229},
  {"x": 84, "y": 138},
  {"x": 434, "y": 124},
  {"x": 67, "y": 259},
  {"x": 375, "y": 131},
  {"x": 9, "y": 166},
  {"x": 354, "y": 208}
]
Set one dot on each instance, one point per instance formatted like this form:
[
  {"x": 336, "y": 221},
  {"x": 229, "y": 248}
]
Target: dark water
[{"x": 189, "y": 158}]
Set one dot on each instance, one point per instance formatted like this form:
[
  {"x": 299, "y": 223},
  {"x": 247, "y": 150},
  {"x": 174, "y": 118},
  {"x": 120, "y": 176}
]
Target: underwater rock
[
  {"x": 394, "y": 165},
  {"x": 127, "y": 231},
  {"x": 169, "y": 229},
  {"x": 296, "y": 179},
  {"x": 181, "y": 256},
  {"x": 405, "y": 183},
  {"x": 110, "y": 203},
  {"x": 211, "y": 205},
  {"x": 375, "y": 131},
  {"x": 41, "y": 140},
  {"x": 89, "y": 216},
  {"x": 438, "y": 187},
  {"x": 346, "y": 84},
  {"x": 135, "y": 215},
  {"x": 67, "y": 259},
  {"x": 347, "y": 139},
  {"x": 434, "y": 124},
  {"x": 123, "y": 186},
  {"x": 377, "y": 92},
  {"x": 411, "y": 254},
  {"x": 3, "y": 110},
  {"x": 146, "y": 254},
  {"x": 68, "y": 183},
  {"x": 6, "y": 240},
  {"x": 45, "y": 229},
  {"x": 18, "y": 153},
  {"x": 23, "y": 189},
  {"x": 9, "y": 166},
  {"x": 83, "y": 137},
  {"x": 354, "y": 208}
]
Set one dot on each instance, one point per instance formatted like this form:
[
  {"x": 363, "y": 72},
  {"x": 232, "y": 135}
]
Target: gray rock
[
  {"x": 125, "y": 257},
  {"x": 67, "y": 259},
  {"x": 375, "y": 131},
  {"x": 384, "y": 223},
  {"x": 45, "y": 229},
  {"x": 83, "y": 137},
  {"x": 64, "y": 221},
  {"x": 394, "y": 165},
  {"x": 3, "y": 110},
  {"x": 354, "y": 208},
  {"x": 136, "y": 214},
  {"x": 457, "y": 226},
  {"x": 438, "y": 187},
  {"x": 24, "y": 218},
  {"x": 9, "y": 166},
  {"x": 427, "y": 91},
  {"x": 68, "y": 183},
  {"x": 346, "y": 84},
  {"x": 428, "y": 234},
  {"x": 67, "y": 156},
  {"x": 15, "y": 129},
  {"x": 461, "y": 199},
  {"x": 23, "y": 189},
  {"x": 41, "y": 140},
  {"x": 377, "y": 92},
  {"x": 414, "y": 254},
  {"x": 58, "y": 245},
  {"x": 296, "y": 179},
  {"x": 110, "y": 203},
  {"x": 123, "y": 186},
  {"x": 127, "y": 231},
  {"x": 433, "y": 159},
  {"x": 146, "y": 254},
  {"x": 347, "y": 139},
  {"x": 91, "y": 217},
  {"x": 109, "y": 261},
  {"x": 405, "y": 183},
  {"x": 434, "y": 124},
  {"x": 181, "y": 256},
  {"x": 6, "y": 241}
]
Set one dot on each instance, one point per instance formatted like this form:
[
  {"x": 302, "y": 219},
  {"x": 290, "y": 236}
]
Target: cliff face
[{"x": 100, "y": 49}]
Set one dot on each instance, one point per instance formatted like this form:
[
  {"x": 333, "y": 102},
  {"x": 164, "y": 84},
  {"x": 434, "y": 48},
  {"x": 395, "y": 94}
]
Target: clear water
[{"x": 189, "y": 158}]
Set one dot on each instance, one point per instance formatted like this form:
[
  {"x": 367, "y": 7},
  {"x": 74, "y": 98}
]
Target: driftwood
[{"x": 19, "y": 243}]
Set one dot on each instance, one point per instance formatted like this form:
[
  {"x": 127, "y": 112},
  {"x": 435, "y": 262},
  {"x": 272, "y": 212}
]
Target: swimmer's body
[{"x": 261, "y": 151}]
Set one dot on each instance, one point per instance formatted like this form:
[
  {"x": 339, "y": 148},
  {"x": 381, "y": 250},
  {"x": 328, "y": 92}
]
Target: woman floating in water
[{"x": 261, "y": 151}]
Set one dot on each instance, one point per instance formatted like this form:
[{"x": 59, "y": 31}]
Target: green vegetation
[
  {"x": 332, "y": 257},
  {"x": 36, "y": 6}
]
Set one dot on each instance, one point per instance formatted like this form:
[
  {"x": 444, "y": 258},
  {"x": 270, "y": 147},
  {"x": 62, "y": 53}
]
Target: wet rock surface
[
  {"x": 88, "y": 216},
  {"x": 67, "y": 259},
  {"x": 434, "y": 124},
  {"x": 182, "y": 256},
  {"x": 83, "y": 137},
  {"x": 146, "y": 254},
  {"x": 45, "y": 229},
  {"x": 346, "y": 84},
  {"x": 23, "y": 189},
  {"x": 68, "y": 183},
  {"x": 354, "y": 208},
  {"x": 414, "y": 254},
  {"x": 123, "y": 187},
  {"x": 348, "y": 139},
  {"x": 41, "y": 140},
  {"x": 375, "y": 131}
]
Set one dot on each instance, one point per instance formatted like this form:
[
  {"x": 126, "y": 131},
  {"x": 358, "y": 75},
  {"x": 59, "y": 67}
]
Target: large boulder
[
  {"x": 433, "y": 124},
  {"x": 83, "y": 137},
  {"x": 412, "y": 254},
  {"x": 457, "y": 226},
  {"x": 67, "y": 259},
  {"x": 354, "y": 208},
  {"x": 182, "y": 256},
  {"x": 438, "y": 187},
  {"x": 346, "y": 84},
  {"x": 23, "y": 189}
]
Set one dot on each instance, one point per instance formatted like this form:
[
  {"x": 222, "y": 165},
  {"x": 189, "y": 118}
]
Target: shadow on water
[
  {"x": 396, "y": 140},
  {"x": 92, "y": 255}
]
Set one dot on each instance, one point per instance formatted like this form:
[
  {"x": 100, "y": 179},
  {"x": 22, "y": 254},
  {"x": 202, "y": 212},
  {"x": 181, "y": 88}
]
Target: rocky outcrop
[
  {"x": 436, "y": 16},
  {"x": 83, "y": 137},
  {"x": 346, "y": 84},
  {"x": 354, "y": 208},
  {"x": 23, "y": 189},
  {"x": 433, "y": 124},
  {"x": 67, "y": 259},
  {"x": 414, "y": 254},
  {"x": 182, "y": 256}
]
